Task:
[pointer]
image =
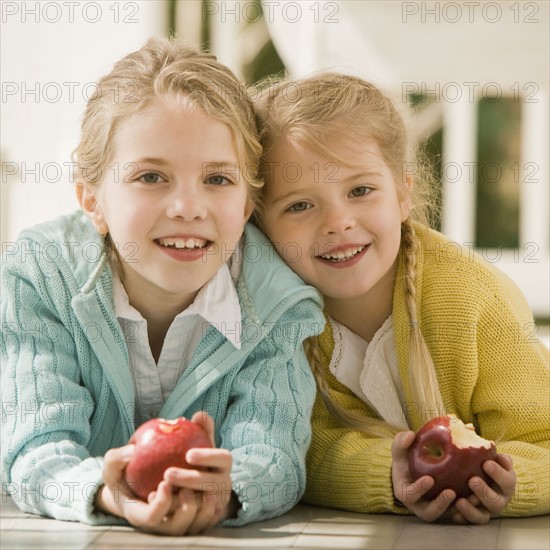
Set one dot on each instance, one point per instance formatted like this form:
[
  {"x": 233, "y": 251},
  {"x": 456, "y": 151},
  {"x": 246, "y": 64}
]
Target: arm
[
  {"x": 46, "y": 424},
  {"x": 262, "y": 410},
  {"x": 267, "y": 426},
  {"x": 346, "y": 468},
  {"x": 48, "y": 432},
  {"x": 493, "y": 372},
  {"x": 510, "y": 401}
]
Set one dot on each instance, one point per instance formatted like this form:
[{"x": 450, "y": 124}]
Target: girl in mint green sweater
[{"x": 157, "y": 300}]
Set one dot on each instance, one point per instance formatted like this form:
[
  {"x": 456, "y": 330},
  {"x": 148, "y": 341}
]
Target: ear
[
  {"x": 405, "y": 201},
  {"x": 87, "y": 199}
]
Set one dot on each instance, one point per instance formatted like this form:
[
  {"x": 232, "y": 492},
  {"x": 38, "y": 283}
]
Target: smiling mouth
[
  {"x": 343, "y": 256},
  {"x": 183, "y": 244}
]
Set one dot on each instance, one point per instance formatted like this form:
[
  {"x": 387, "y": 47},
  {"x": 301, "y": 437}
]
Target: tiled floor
[{"x": 303, "y": 527}]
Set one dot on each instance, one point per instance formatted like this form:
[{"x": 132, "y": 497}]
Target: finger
[
  {"x": 219, "y": 459},
  {"x": 504, "y": 479},
  {"x": 477, "y": 515},
  {"x": 401, "y": 442},
  {"x": 490, "y": 499},
  {"x": 178, "y": 523},
  {"x": 173, "y": 506},
  {"x": 458, "y": 518},
  {"x": 115, "y": 460},
  {"x": 184, "y": 515},
  {"x": 411, "y": 493},
  {"x": 197, "y": 480},
  {"x": 205, "y": 517},
  {"x": 158, "y": 507},
  {"x": 204, "y": 420},
  {"x": 505, "y": 461},
  {"x": 435, "y": 509}
]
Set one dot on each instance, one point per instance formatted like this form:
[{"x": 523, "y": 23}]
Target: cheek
[
  {"x": 230, "y": 220},
  {"x": 279, "y": 234}
]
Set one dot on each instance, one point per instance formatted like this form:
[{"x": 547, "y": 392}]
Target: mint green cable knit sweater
[{"x": 68, "y": 395}]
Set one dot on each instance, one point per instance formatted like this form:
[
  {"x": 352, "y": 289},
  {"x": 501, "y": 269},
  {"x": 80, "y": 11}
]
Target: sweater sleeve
[
  {"x": 511, "y": 398},
  {"x": 491, "y": 367},
  {"x": 45, "y": 464},
  {"x": 346, "y": 468},
  {"x": 267, "y": 424}
]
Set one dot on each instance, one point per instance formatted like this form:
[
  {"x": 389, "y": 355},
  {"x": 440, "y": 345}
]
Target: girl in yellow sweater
[{"x": 417, "y": 325}]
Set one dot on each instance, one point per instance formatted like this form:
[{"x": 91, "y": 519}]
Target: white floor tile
[
  {"x": 428, "y": 536},
  {"x": 522, "y": 533}
]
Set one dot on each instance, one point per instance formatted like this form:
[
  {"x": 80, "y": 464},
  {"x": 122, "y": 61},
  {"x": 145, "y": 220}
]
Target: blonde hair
[
  {"x": 329, "y": 106},
  {"x": 166, "y": 67}
]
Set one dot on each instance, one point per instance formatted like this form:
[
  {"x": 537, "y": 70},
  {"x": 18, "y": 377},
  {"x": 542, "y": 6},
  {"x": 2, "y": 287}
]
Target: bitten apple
[
  {"x": 451, "y": 452},
  {"x": 160, "y": 444}
]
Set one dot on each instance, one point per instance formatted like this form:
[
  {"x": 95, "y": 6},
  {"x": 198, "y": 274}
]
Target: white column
[
  {"x": 458, "y": 169},
  {"x": 225, "y": 18},
  {"x": 297, "y": 32},
  {"x": 533, "y": 174},
  {"x": 189, "y": 20}
]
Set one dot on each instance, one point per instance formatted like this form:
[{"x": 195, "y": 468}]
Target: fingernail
[
  {"x": 474, "y": 482},
  {"x": 170, "y": 474}
]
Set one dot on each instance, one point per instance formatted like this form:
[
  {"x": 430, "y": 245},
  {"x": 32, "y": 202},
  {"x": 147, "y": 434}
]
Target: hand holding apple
[
  {"x": 451, "y": 453},
  {"x": 164, "y": 512},
  {"x": 210, "y": 478},
  {"x": 160, "y": 444}
]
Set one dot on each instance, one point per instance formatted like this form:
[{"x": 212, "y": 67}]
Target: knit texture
[
  {"x": 68, "y": 395},
  {"x": 491, "y": 369}
]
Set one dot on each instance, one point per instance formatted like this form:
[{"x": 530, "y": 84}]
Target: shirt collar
[{"x": 217, "y": 302}]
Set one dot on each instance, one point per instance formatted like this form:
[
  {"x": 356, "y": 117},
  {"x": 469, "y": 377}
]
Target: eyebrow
[
  {"x": 150, "y": 160},
  {"x": 364, "y": 175},
  {"x": 215, "y": 164},
  {"x": 222, "y": 163}
]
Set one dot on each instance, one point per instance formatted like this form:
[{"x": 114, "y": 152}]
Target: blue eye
[
  {"x": 299, "y": 207},
  {"x": 360, "y": 191},
  {"x": 150, "y": 177},
  {"x": 218, "y": 180}
]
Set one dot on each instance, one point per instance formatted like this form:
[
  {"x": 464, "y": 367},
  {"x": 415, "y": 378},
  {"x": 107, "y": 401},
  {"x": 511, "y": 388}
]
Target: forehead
[
  {"x": 172, "y": 123},
  {"x": 348, "y": 157},
  {"x": 169, "y": 111}
]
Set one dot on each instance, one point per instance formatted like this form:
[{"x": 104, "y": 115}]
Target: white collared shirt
[
  {"x": 216, "y": 304},
  {"x": 369, "y": 369}
]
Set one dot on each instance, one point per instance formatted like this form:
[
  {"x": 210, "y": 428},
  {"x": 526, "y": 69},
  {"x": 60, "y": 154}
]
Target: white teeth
[
  {"x": 183, "y": 243},
  {"x": 341, "y": 256}
]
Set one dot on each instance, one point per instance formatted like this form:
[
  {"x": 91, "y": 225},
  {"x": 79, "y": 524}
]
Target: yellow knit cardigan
[{"x": 491, "y": 368}]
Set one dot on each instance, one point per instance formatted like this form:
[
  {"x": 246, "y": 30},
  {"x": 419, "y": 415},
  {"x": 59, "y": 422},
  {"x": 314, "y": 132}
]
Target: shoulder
[
  {"x": 268, "y": 287},
  {"x": 66, "y": 228},
  {"x": 66, "y": 247},
  {"x": 454, "y": 274}
]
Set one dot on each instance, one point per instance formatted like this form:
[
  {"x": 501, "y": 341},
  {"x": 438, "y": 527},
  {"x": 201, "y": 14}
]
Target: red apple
[
  {"x": 451, "y": 452},
  {"x": 159, "y": 444}
]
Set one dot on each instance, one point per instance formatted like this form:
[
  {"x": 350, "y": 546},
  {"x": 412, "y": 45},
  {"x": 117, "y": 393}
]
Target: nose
[
  {"x": 337, "y": 219},
  {"x": 187, "y": 202}
]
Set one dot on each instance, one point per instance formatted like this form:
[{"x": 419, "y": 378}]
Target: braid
[
  {"x": 371, "y": 426},
  {"x": 423, "y": 379}
]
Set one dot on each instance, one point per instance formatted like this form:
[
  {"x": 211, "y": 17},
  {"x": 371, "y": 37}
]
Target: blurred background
[{"x": 474, "y": 76}]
